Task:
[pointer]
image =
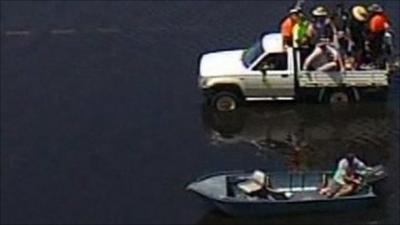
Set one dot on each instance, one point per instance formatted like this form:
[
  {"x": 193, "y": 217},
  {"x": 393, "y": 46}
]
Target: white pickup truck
[{"x": 267, "y": 71}]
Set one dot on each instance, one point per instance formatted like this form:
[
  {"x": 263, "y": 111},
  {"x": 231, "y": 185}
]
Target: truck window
[
  {"x": 274, "y": 61},
  {"x": 252, "y": 54}
]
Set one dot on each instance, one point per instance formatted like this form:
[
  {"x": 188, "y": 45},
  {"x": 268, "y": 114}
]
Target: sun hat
[
  {"x": 360, "y": 13},
  {"x": 320, "y": 11}
]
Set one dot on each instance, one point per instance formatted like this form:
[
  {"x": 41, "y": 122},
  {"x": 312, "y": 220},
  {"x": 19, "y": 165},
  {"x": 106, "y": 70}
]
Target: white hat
[
  {"x": 295, "y": 10},
  {"x": 360, "y": 13},
  {"x": 320, "y": 11}
]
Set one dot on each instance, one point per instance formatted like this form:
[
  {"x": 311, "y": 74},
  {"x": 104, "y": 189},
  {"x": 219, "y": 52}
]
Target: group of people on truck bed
[{"x": 354, "y": 39}]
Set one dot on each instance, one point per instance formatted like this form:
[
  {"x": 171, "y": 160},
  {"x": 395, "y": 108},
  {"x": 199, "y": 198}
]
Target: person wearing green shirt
[{"x": 302, "y": 32}]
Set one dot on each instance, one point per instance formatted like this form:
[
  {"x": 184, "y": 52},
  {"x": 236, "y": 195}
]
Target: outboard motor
[
  {"x": 377, "y": 173},
  {"x": 376, "y": 177}
]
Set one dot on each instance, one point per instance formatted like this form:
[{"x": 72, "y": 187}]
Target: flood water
[{"x": 102, "y": 121}]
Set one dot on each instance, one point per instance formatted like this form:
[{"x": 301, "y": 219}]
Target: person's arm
[
  {"x": 310, "y": 33},
  {"x": 286, "y": 33},
  {"x": 351, "y": 179},
  {"x": 335, "y": 34},
  {"x": 360, "y": 164},
  {"x": 349, "y": 39},
  {"x": 340, "y": 172},
  {"x": 296, "y": 38}
]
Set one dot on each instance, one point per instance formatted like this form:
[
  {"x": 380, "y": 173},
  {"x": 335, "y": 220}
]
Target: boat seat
[{"x": 256, "y": 182}]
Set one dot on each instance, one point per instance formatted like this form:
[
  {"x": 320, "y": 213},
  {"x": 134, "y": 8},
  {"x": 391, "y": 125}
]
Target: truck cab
[{"x": 269, "y": 72}]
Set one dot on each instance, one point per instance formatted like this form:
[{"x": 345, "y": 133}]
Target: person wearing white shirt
[{"x": 346, "y": 179}]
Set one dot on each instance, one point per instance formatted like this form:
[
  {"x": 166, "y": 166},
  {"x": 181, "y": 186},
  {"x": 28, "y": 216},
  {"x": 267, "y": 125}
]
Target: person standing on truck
[
  {"x": 378, "y": 25},
  {"x": 341, "y": 21},
  {"x": 287, "y": 26},
  {"x": 324, "y": 37},
  {"x": 302, "y": 32},
  {"x": 358, "y": 32}
]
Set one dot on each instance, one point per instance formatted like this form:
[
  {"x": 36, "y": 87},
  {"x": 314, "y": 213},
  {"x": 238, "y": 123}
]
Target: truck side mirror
[{"x": 264, "y": 72}]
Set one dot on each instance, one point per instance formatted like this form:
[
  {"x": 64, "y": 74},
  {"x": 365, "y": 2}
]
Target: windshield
[{"x": 252, "y": 53}]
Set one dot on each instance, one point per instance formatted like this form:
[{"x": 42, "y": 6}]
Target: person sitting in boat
[{"x": 347, "y": 178}]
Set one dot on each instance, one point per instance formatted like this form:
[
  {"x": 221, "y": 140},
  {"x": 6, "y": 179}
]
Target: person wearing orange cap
[
  {"x": 378, "y": 24},
  {"x": 287, "y": 26}
]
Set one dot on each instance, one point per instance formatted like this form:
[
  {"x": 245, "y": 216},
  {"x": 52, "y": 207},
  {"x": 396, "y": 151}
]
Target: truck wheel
[
  {"x": 225, "y": 101},
  {"x": 339, "y": 97}
]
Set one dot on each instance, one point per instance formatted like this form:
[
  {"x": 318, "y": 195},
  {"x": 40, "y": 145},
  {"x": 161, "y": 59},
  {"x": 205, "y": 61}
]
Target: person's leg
[
  {"x": 359, "y": 56},
  {"x": 334, "y": 187},
  {"x": 337, "y": 58},
  {"x": 377, "y": 49},
  {"x": 316, "y": 53},
  {"x": 344, "y": 50},
  {"x": 330, "y": 189},
  {"x": 325, "y": 190},
  {"x": 331, "y": 66},
  {"x": 345, "y": 190}
]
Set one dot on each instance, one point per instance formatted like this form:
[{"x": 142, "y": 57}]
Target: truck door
[{"x": 272, "y": 77}]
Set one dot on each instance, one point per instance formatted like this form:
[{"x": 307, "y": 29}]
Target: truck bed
[{"x": 370, "y": 78}]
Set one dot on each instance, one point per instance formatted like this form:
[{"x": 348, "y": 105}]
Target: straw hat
[
  {"x": 360, "y": 13},
  {"x": 375, "y": 8},
  {"x": 320, "y": 11}
]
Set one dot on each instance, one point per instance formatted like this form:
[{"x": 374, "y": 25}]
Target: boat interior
[{"x": 277, "y": 187}]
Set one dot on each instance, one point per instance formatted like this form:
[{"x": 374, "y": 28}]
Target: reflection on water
[{"x": 309, "y": 136}]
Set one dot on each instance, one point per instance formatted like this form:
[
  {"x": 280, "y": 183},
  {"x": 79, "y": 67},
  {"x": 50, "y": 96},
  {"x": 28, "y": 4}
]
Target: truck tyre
[
  {"x": 339, "y": 97},
  {"x": 384, "y": 94},
  {"x": 225, "y": 101}
]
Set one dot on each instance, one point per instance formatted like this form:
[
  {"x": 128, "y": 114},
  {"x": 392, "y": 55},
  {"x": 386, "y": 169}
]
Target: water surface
[{"x": 104, "y": 123}]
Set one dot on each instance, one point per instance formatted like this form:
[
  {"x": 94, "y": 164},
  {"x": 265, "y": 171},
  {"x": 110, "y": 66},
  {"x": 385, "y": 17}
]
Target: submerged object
[{"x": 241, "y": 193}]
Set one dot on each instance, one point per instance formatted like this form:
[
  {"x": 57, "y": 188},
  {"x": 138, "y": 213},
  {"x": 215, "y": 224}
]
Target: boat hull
[
  {"x": 300, "y": 195},
  {"x": 267, "y": 209}
]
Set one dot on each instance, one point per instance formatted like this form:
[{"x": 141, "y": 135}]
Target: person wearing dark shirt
[
  {"x": 378, "y": 25},
  {"x": 358, "y": 29},
  {"x": 341, "y": 21}
]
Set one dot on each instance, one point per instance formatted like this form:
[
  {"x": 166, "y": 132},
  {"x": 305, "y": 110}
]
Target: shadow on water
[
  {"x": 309, "y": 136},
  {"x": 367, "y": 216}
]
